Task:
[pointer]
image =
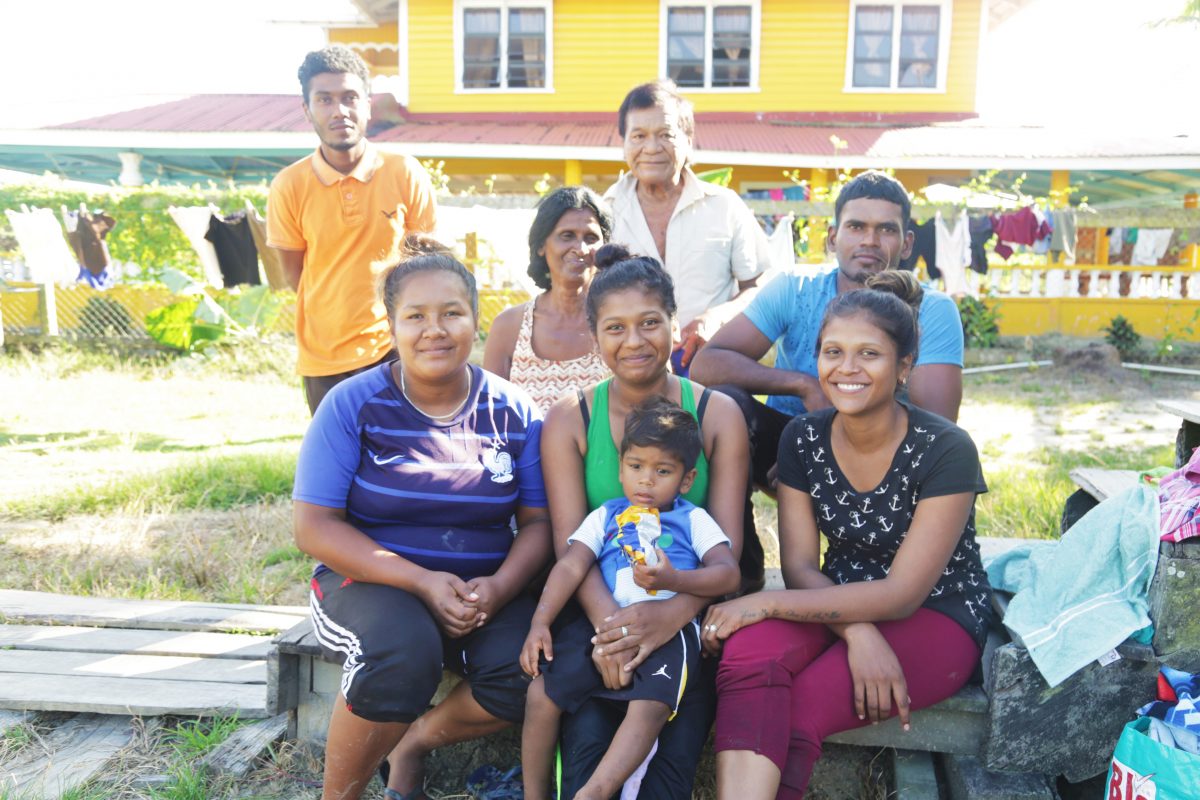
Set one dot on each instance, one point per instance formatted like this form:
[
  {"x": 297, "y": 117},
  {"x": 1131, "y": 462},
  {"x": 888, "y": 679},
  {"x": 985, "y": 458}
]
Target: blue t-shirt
[
  {"x": 440, "y": 494},
  {"x": 789, "y": 310},
  {"x": 692, "y": 533}
]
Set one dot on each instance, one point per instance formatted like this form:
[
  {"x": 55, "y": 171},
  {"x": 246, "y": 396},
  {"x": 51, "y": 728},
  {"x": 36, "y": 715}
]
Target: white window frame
[
  {"x": 708, "y": 5},
  {"x": 460, "y": 6},
  {"x": 944, "y": 26}
]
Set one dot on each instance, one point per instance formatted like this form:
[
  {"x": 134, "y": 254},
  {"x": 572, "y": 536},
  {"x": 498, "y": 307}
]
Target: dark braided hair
[{"x": 618, "y": 269}]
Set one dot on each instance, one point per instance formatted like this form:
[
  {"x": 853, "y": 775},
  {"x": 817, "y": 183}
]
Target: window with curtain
[
  {"x": 505, "y": 46},
  {"x": 709, "y": 45},
  {"x": 896, "y": 46}
]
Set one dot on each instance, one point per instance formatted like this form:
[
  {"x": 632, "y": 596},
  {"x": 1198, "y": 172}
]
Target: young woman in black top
[{"x": 895, "y": 618}]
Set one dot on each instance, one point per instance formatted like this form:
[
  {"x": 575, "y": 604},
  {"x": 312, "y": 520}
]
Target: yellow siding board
[
  {"x": 379, "y": 34},
  {"x": 601, "y": 49}
]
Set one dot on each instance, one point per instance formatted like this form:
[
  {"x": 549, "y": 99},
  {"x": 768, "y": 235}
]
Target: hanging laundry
[
  {"x": 194, "y": 222},
  {"x": 88, "y": 239},
  {"x": 1116, "y": 237},
  {"x": 1017, "y": 227},
  {"x": 1085, "y": 246},
  {"x": 1064, "y": 236},
  {"x": 1041, "y": 245},
  {"x": 234, "y": 243},
  {"x": 953, "y": 248},
  {"x": 45, "y": 251},
  {"x": 981, "y": 234},
  {"x": 1150, "y": 246},
  {"x": 269, "y": 256},
  {"x": 924, "y": 246}
]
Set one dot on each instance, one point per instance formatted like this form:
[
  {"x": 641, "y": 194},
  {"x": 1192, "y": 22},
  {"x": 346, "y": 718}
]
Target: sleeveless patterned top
[{"x": 545, "y": 380}]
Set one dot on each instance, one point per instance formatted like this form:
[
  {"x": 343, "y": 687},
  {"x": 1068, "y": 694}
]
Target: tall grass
[
  {"x": 219, "y": 482},
  {"x": 1027, "y": 502}
]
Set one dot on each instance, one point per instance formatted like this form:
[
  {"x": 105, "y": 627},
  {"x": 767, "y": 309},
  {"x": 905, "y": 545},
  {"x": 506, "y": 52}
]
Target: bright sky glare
[{"x": 1056, "y": 62}]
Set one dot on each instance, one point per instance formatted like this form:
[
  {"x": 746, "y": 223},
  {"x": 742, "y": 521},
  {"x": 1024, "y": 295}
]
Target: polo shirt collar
[{"x": 362, "y": 172}]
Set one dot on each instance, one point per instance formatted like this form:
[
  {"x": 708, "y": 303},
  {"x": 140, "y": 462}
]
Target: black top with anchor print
[{"x": 865, "y": 529}]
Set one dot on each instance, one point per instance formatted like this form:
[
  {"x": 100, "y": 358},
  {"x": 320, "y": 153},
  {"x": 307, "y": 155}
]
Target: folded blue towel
[{"x": 1079, "y": 597}]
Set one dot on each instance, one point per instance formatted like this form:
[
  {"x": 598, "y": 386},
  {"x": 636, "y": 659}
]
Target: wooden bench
[
  {"x": 113, "y": 660},
  {"x": 1188, "y": 437},
  {"x": 958, "y": 730}
]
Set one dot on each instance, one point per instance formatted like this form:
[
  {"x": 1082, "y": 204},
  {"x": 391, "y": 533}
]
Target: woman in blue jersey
[
  {"x": 631, "y": 310},
  {"x": 408, "y": 480}
]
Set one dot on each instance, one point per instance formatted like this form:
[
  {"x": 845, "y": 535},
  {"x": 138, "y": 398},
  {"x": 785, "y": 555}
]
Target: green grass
[
  {"x": 1026, "y": 502},
  {"x": 219, "y": 482}
]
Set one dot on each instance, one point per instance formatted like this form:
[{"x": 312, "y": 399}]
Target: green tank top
[{"x": 602, "y": 463}]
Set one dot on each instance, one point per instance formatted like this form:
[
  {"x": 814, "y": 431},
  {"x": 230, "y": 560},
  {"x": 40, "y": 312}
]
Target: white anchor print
[
  {"x": 819, "y": 456},
  {"x": 816, "y": 490},
  {"x": 871, "y": 540},
  {"x": 825, "y": 515},
  {"x": 868, "y": 577},
  {"x": 840, "y": 577},
  {"x": 883, "y": 489},
  {"x": 919, "y": 429},
  {"x": 937, "y": 592},
  {"x": 856, "y": 521},
  {"x": 972, "y": 579},
  {"x": 854, "y": 565},
  {"x": 916, "y": 462},
  {"x": 908, "y": 448},
  {"x": 895, "y": 504},
  {"x": 930, "y": 438},
  {"x": 829, "y": 476},
  {"x": 904, "y": 482},
  {"x": 812, "y": 435},
  {"x": 947, "y": 571},
  {"x": 883, "y": 523},
  {"x": 842, "y": 530},
  {"x": 959, "y": 557},
  {"x": 866, "y": 505},
  {"x": 971, "y": 607},
  {"x": 842, "y": 499}
]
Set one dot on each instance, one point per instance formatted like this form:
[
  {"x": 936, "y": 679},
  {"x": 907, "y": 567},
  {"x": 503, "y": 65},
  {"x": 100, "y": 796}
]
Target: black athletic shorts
[
  {"x": 571, "y": 679},
  {"x": 393, "y": 652}
]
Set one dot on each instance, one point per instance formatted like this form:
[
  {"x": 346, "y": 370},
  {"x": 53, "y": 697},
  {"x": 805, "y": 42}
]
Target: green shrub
[
  {"x": 980, "y": 321},
  {"x": 1120, "y": 334}
]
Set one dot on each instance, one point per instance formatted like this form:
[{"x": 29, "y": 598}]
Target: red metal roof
[{"x": 875, "y": 136}]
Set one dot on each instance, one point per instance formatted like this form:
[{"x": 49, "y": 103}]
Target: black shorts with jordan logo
[{"x": 571, "y": 678}]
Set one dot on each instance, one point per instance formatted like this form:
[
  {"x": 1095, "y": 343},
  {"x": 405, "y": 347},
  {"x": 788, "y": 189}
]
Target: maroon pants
[{"x": 782, "y": 687}]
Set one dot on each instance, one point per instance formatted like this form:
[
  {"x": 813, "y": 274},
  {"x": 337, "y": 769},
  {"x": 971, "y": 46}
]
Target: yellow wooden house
[{"x": 771, "y": 80}]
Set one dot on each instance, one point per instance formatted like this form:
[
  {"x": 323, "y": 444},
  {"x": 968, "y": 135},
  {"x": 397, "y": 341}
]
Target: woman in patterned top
[
  {"x": 896, "y": 617},
  {"x": 557, "y": 355}
]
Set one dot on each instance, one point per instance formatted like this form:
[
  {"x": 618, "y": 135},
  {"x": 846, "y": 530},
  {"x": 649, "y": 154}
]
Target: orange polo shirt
[{"x": 348, "y": 227}]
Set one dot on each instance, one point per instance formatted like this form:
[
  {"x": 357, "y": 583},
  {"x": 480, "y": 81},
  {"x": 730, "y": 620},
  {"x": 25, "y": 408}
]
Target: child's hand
[
  {"x": 660, "y": 576},
  {"x": 538, "y": 641}
]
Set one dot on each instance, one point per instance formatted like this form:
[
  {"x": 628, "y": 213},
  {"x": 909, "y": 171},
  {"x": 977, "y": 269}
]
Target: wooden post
[
  {"x": 47, "y": 309},
  {"x": 818, "y": 184},
  {"x": 572, "y": 172},
  {"x": 1191, "y": 254}
]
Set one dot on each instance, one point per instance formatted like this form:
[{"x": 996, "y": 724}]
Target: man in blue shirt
[{"x": 869, "y": 234}]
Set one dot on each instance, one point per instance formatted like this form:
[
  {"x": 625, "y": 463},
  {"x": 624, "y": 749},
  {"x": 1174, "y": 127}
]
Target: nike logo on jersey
[{"x": 383, "y": 462}]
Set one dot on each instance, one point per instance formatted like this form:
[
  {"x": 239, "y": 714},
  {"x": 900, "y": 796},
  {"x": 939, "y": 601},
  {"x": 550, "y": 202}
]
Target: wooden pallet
[{"x": 134, "y": 657}]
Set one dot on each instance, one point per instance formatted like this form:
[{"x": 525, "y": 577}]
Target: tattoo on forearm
[{"x": 810, "y": 616}]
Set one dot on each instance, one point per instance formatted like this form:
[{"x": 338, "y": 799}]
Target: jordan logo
[{"x": 661, "y": 671}]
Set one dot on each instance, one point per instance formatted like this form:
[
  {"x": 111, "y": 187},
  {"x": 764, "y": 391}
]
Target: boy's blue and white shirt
[
  {"x": 441, "y": 494},
  {"x": 693, "y": 533}
]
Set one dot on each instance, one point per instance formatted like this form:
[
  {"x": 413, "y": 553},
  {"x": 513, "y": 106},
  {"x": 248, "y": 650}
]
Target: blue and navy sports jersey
[{"x": 440, "y": 494}]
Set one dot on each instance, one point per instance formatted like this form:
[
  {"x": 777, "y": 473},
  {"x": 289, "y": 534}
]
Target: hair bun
[
  {"x": 610, "y": 254},
  {"x": 900, "y": 283},
  {"x": 422, "y": 244}
]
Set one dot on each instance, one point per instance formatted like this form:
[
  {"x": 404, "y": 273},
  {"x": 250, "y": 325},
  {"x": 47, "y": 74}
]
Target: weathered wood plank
[
  {"x": 236, "y": 755},
  {"x": 1070, "y": 729},
  {"x": 18, "y": 606},
  {"x": 128, "y": 640},
  {"x": 127, "y": 665},
  {"x": 1184, "y": 409},
  {"x": 913, "y": 776},
  {"x": 1103, "y": 483},
  {"x": 132, "y": 696},
  {"x": 74, "y": 753}
]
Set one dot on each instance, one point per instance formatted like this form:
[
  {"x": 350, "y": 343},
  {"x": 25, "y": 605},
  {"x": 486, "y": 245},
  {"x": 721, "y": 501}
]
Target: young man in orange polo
[{"x": 335, "y": 217}]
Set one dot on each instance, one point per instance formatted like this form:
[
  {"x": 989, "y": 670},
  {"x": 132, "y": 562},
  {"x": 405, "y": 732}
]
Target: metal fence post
[{"x": 47, "y": 309}]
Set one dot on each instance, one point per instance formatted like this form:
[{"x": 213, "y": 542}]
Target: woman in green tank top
[{"x": 631, "y": 307}]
